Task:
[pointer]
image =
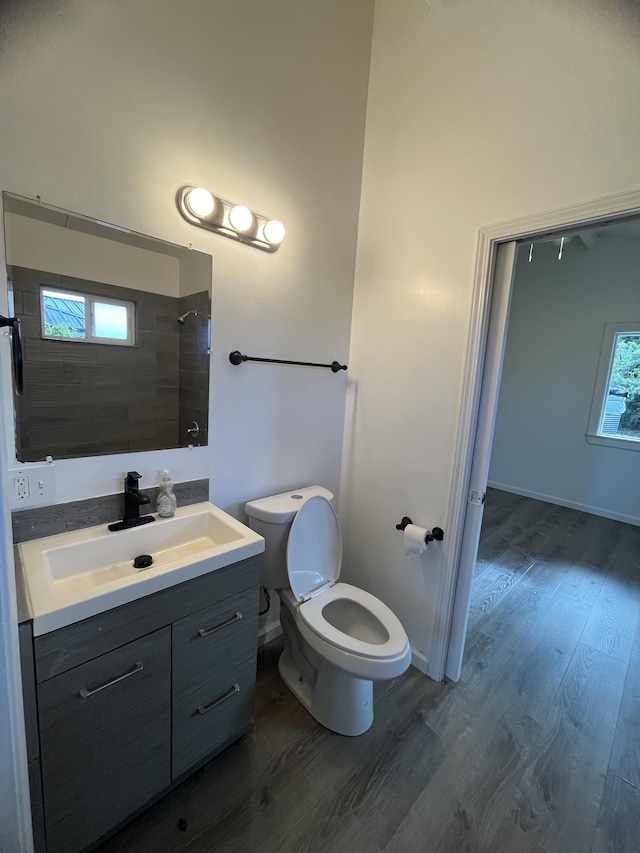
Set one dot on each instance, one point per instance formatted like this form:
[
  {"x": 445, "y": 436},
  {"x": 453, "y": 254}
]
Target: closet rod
[{"x": 236, "y": 357}]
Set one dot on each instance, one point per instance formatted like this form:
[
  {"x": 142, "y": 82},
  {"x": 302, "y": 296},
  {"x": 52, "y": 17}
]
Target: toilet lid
[{"x": 314, "y": 548}]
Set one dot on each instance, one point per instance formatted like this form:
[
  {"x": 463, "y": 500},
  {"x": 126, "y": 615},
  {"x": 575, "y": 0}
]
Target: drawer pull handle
[
  {"x": 204, "y": 632},
  {"x": 204, "y": 709},
  {"x": 137, "y": 668}
]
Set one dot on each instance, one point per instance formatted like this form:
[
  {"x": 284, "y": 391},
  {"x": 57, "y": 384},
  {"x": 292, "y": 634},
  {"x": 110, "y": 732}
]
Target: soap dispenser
[{"x": 166, "y": 503}]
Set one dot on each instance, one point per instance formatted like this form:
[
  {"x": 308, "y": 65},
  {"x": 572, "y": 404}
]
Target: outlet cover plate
[{"x": 32, "y": 485}]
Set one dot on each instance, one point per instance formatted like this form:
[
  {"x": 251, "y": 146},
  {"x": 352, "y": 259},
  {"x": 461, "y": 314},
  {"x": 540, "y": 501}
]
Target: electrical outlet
[
  {"x": 21, "y": 488},
  {"x": 34, "y": 485}
]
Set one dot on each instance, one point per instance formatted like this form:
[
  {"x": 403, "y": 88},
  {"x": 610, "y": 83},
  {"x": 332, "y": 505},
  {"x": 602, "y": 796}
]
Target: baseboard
[
  {"x": 268, "y": 633},
  {"x": 553, "y": 499},
  {"x": 420, "y": 661}
]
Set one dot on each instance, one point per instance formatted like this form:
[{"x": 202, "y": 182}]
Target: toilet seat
[{"x": 311, "y": 613}]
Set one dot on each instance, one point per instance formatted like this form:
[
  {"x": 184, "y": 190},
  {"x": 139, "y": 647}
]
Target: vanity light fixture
[{"x": 199, "y": 207}]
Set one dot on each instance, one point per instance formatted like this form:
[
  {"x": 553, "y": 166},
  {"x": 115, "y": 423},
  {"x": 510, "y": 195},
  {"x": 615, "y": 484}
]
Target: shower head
[{"x": 183, "y": 317}]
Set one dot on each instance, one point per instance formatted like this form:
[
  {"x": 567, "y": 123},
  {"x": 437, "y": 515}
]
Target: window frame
[
  {"x": 90, "y": 299},
  {"x": 601, "y": 389}
]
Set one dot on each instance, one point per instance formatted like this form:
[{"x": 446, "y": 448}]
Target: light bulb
[
  {"x": 241, "y": 218},
  {"x": 200, "y": 202},
  {"x": 273, "y": 232}
]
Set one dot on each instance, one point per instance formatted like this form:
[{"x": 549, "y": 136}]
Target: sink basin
[{"x": 72, "y": 576}]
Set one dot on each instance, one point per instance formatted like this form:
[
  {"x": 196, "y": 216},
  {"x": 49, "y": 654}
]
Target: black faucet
[{"x": 133, "y": 500}]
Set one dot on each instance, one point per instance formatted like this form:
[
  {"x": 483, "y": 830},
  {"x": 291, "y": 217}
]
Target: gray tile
[{"x": 37, "y": 522}]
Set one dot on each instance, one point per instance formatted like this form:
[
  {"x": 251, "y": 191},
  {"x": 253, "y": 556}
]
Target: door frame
[{"x": 456, "y": 574}]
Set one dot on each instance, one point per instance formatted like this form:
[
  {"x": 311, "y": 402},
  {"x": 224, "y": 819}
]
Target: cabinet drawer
[
  {"x": 214, "y": 640},
  {"x": 105, "y": 740},
  {"x": 206, "y": 717}
]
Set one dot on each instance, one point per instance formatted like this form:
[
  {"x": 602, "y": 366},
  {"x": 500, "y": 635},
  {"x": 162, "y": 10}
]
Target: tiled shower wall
[
  {"x": 85, "y": 399},
  {"x": 194, "y": 368}
]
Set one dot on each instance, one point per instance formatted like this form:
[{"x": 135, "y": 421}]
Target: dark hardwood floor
[{"x": 537, "y": 748}]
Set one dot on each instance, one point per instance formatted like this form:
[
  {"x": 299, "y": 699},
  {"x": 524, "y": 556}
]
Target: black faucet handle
[{"x": 133, "y": 500}]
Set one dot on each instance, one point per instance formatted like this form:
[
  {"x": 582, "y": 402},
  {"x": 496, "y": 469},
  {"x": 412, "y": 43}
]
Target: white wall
[
  {"x": 477, "y": 113},
  {"x": 15, "y": 832},
  {"x": 109, "y": 108},
  {"x": 46, "y": 246},
  {"x": 558, "y": 312}
]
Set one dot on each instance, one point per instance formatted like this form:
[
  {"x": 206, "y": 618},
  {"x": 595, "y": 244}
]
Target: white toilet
[{"x": 338, "y": 639}]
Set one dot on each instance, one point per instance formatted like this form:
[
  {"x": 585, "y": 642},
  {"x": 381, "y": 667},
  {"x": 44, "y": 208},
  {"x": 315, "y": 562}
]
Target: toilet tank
[{"x": 271, "y": 517}]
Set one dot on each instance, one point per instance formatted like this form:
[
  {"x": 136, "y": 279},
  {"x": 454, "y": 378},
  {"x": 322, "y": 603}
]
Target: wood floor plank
[
  {"x": 625, "y": 755},
  {"x": 488, "y": 552},
  {"x": 594, "y": 538},
  {"x": 614, "y": 618},
  {"x": 370, "y": 804},
  {"x": 348, "y": 792},
  {"x": 536, "y": 672},
  {"x": 582, "y": 582},
  {"x": 485, "y": 662},
  {"x": 625, "y": 557},
  {"x": 463, "y": 804},
  {"x": 618, "y": 826},
  {"x": 558, "y": 797},
  {"x": 514, "y": 619},
  {"x": 572, "y": 536},
  {"x": 509, "y": 838},
  {"x": 522, "y": 523},
  {"x": 496, "y": 582},
  {"x": 548, "y": 534}
]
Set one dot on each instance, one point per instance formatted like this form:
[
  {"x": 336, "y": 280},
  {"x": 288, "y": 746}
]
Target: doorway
[
  {"x": 567, "y": 296},
  {"x": 494, "y": 288}
]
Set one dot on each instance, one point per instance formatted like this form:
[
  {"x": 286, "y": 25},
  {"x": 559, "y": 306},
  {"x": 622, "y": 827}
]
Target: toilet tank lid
[{"x": 282, "y": 508}]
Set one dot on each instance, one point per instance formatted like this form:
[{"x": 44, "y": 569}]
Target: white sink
[{"x": 72, "y": 576}]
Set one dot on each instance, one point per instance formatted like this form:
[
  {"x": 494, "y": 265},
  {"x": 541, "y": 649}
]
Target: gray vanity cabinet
[
  {"x": 105, "y": 730},
  {"x": 213, "y": 675},
  {"x": 132, "y": 700}
]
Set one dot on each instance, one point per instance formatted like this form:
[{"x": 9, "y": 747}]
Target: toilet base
[
  {"x": 337, "y": 700},
  {"x": 341, "y": 702}
]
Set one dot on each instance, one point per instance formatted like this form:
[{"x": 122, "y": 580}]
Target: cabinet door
[
  {"x": 214, "y": 662},
  {"x": 105, "y": 740}
]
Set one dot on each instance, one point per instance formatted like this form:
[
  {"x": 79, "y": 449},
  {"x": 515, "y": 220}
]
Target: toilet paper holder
[{"x": 436, "y": 533}]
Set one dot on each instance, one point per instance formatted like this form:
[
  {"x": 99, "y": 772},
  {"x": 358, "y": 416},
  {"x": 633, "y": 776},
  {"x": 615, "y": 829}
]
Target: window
[
  {"x": 615, "y": 412},
  {"x": 71, "y": 316}
]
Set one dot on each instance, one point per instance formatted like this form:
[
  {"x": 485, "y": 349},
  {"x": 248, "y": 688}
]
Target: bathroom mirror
[{"x": 116, "y": 335}]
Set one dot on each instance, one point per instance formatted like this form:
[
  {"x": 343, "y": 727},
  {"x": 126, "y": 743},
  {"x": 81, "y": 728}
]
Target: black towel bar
[{"x": 236, "y": 357}]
